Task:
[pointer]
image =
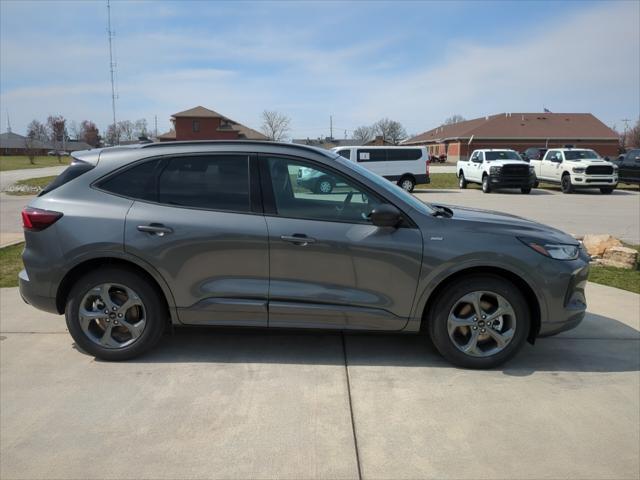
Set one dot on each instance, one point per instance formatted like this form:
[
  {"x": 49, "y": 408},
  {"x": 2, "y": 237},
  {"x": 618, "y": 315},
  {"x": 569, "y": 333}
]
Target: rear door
[
  {"x": 200, "y": 226},
  {"x": 330, "y": 267},
  {"x": 630, "y": 167}
]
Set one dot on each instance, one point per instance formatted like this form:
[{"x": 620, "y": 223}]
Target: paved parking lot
[{"x": 257, "y": 404}]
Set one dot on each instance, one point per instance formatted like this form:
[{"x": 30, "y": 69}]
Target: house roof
[
  {"x": 202, "y": 112},
  {"x": 170, "y": 135},
  {"x": 13, "y": 140},
  {"x": 521, "y": 126}
]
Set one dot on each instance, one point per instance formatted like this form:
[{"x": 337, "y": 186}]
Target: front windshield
[
  {"x": 580, "y": 155},
  {"x": 502, "y": 155},
  {"x": 387, "y": 186}
]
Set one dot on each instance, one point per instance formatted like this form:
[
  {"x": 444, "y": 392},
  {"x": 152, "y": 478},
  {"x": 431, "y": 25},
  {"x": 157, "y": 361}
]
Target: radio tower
[{"x": 112, "y": 67}]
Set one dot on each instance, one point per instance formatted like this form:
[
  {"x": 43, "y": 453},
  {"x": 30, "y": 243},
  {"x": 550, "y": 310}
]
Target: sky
[{"x": 411, "y": 61}]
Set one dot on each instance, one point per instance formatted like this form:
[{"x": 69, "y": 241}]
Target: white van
[{"x": 407, "y": 166}]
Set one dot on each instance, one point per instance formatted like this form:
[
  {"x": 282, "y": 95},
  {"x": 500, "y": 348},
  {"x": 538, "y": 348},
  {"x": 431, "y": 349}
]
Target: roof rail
[{"x": 223, "y": 142}]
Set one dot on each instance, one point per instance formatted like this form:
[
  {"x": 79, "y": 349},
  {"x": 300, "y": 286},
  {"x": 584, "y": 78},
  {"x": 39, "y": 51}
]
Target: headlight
[
  {"x": 578, "y": 169},
  {"x": 495, "y": 170},
  {"x": 532, "y": 169},
  {"x": 615, "y": 167},
  {"x": 558, "y": 251}
]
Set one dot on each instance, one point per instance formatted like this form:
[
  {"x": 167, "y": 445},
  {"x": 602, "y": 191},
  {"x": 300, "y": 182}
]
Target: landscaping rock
[
  {"x": 598, "y": 244},
  {"x": 621, "y": 257}
]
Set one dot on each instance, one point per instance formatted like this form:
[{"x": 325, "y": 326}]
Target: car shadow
[{"x": 585, "y": 351}]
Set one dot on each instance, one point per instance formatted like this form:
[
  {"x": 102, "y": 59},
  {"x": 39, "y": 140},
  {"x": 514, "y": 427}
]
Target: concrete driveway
[{"x": 267, "y": 404}]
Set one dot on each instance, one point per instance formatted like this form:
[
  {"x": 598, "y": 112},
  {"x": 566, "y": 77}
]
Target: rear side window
[
  {"x": 345, "y": 153},
  {"x": 405, "y": 154},
  {"x": 137, "y": 182},
  {"x": 77, "y": 168},
  {"x": 215, "y": 182}
]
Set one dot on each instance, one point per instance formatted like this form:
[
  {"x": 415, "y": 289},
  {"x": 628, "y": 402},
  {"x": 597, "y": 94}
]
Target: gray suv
[{"x": 129, "y": 240}]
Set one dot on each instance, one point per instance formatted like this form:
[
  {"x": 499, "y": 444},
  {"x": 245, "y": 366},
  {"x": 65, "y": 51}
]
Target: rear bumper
[{"x": 29, "y": 295}]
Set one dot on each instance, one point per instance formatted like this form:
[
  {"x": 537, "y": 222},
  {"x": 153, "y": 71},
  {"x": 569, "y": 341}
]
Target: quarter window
[
  {"x": 403, "y": 154},
  {"x": 216, "y": 182},
  {"x": 137, "y": 182},
  {"x": 345, "y": 153},
  {"x": 312, "y": 192}
]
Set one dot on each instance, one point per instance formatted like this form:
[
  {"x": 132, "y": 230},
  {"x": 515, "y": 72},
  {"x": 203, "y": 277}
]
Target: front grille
[
  {"x": 515, "y": 170},
  {"x": 599, "y": 170},
  {"x": 599, "y": 180}
]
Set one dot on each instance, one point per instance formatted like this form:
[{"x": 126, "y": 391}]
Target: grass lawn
[
  {"x": 31, "y": 186},
  {"x": 10, "y": 265},
  {"x": 449, "y": 181},
  {"x": 20, "y": 162}
]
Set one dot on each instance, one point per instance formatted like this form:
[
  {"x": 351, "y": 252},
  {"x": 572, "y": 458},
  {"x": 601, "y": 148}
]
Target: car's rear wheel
[
  {"x": 407, "y": 183},
  {"x": 486, "y": 185},
  {"x": 606, "y": 190},
  {"x": 479, "y": 322},
  {"x": 115, "y": 314},
  {"x": 324, "y": 185},
  {"x": 462, "y": 182},
  {"x": 566, "y": 185},
  {"x": 525, "y": 190}
]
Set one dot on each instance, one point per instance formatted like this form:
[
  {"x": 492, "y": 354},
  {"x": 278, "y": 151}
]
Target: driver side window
[{"x": 301, "y": 190}]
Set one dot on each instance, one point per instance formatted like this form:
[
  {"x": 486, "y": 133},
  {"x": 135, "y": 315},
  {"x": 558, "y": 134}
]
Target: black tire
[
  {"x": 565, "y": 184},
  {"x": 525, "y": 190},
  {"x": 486, "y": 185},
  {"x": 606, "y": 190},
  {"x": 439, "y": 313},
  {"x": 536, "y": 184},
  {"x": 320, "y": 187},
  {"x": 154, "y": 305},
  {"x": 407, "y": 183},
  {"x": 462, "y": 182}
]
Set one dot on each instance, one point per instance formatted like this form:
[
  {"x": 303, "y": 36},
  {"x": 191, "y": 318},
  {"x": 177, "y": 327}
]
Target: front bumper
[
  {"x": 33, "y": 298},
  {"x": 500, "y": 181},
  {"x": 593, "y": 181},
  {"x": 567, "y": 303}
]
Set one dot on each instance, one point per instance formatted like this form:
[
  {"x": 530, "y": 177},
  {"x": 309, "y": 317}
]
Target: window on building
[{"x": 196, "y": 125}]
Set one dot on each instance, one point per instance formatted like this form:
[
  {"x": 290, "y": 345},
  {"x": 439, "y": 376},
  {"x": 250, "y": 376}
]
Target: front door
[
  {"x": 330, "y": 267},
  {"x": 550, "y": 168},
  {"x": 202, "y": 235}
]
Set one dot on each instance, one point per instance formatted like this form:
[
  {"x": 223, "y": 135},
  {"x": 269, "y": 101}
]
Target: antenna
[
  {"x": 112, "y": 66},
  {"x": 331, "y": 127},
  {"x": 8, "y": 123},
  {"x": 155, "y": 121}
]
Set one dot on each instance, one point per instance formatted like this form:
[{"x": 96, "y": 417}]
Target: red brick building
[
  {"x": 200, "y": 123},
  {"x": 519, "y": 131}
]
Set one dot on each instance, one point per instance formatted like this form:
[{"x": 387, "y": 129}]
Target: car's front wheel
[
  {"x": 525, "y": 190},
  {"x": 479, "y": 322},
  {"x": 606, "y": 190},
  {"x": 462, "y": 182},
  {"x": 566, "y": 185},
  {"x": 486, "y": 185},
  {"x": 115, "y": 314}
]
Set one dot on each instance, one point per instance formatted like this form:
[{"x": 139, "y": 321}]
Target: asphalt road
[{"x": 259, "y": 404}]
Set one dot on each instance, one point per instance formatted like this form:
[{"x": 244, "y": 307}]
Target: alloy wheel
[
  {"x": 112, "y": 316},
  {"x": 481, "y": 324},
  {"x": 325, "y": 186},
  {"x": 407, "y": 185}
]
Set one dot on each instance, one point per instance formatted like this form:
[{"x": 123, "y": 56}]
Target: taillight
[{"x": 36, "y": 219}]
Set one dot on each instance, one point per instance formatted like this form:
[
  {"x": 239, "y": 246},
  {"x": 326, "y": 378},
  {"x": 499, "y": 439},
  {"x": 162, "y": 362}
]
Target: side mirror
[{"x": 385, "y": 215}]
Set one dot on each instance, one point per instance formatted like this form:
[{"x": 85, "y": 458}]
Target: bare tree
[
  {"x": 456, "y": 118},
  {"x": 126, "y": 130},
  {"x": 390, "y": 130},
  {"x": 363, "y": 134},
  {"x": 140, "y": 128},
  {"x": 89, "y": 133},
  {"x": 57, "y": 127},
  {"x": 75, "y": 130},
  {"x": 275, "y": 125},
  {"x": 33, "y": 141},
  {"x": 633, "y": 136},
  {"x": 38, "y": 131},
  {"x": 112, "y": 135}
]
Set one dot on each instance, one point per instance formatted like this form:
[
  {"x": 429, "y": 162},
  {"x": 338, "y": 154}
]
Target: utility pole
[
  {"x": 111, "y": 69},
  {"x": 331, "y": 127},
  {"x": 155, "y": 121}
]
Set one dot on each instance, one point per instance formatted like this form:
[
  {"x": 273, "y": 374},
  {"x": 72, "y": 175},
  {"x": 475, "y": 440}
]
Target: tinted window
[
  {"x": 345, "y": 153},
  {"x": 632, "y": 157},
  {"x": 312, "y": 192},
  {"x": 216, "y": 182},
  {"x": 399, "y": 154},
  {"x": 136, "y": 182},
  {"x": 372, "y": 155},
  {"x": 77, "y": 168}
]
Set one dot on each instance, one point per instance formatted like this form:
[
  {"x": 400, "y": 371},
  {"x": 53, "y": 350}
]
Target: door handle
[
  {"x": 155, "y": 229},
  {"x": 298, "y": 239}
]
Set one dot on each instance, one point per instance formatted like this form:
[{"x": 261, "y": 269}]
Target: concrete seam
[{"x": 353, "y": 424}]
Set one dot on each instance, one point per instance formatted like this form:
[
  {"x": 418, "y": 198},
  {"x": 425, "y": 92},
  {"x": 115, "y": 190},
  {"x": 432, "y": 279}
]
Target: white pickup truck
[
  {"x": 496, "y": 168},
  {"x": 574, "y": 168}
]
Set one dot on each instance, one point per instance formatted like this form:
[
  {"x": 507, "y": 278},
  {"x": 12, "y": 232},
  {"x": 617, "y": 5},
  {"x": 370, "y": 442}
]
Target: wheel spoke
[
  {"x": 455, "y": 322},
  {"x": 472, "y": 344},
  {"x": 134, "y": 329},
  {"x": 105, "y": 295},
  {"x": 131, "y": 302},
  {"x": 106, "y": 339},
  {"x": 501, "y": 338}
]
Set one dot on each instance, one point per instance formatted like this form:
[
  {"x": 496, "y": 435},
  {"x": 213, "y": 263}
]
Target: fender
[{"x": 428, "y": 284}]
